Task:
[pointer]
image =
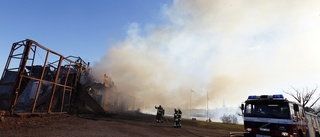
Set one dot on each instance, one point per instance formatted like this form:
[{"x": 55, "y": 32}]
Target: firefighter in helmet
[
  {"x": 160, "y": 113},
  {"x": 177, "y": 118}
]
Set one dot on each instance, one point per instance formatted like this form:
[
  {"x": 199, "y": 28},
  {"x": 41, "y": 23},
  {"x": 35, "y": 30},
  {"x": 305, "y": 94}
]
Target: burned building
[{"x": 38, "y": 80}]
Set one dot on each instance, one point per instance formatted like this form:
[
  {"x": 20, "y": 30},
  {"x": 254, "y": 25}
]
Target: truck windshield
[{"x": 267, "y": 110}]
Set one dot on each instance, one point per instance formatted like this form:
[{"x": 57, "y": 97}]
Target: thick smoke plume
[{"x": 229, "y": 49}]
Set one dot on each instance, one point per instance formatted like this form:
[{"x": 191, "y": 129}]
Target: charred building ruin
[{"x": 38, "y": 80}]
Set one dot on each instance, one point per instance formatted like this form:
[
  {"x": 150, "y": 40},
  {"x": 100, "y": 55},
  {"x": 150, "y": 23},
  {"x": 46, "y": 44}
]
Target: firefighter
[
  {"x": 177, "y": 118},
  {"x": 160, "y": 114}
]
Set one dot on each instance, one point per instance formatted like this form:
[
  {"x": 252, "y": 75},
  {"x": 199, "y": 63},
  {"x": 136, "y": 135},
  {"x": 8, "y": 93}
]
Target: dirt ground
[{"x": 115, "y": 125}]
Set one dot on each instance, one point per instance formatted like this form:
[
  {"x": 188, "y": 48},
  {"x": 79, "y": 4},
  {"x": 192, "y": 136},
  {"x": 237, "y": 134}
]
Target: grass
[
  {"x": 212, "y": 125},
  {"x": 222, "y": 126}
]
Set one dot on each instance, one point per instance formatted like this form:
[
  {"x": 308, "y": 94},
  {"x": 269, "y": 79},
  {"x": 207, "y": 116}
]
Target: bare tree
[
  {"x": 229, "y": 119},
  {"x": 304, "y": 96}
]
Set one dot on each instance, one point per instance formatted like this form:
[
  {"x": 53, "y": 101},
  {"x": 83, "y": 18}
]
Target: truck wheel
[
  {"x": 317, "y": 134},
  {"x": 300, "y": 134}
]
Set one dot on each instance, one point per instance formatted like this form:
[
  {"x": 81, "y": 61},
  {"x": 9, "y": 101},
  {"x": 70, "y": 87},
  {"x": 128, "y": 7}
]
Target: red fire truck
[{"x": 273, "y": 115}]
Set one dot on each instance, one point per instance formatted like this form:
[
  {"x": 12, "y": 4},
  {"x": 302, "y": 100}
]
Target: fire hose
[
  {"x": 185, "y": 129},
  {"x": 167, "y": 121}
]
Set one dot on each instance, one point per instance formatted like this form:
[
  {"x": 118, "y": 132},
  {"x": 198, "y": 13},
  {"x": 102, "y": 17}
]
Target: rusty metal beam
[
  {"x": 55, "y": 85},
  {"x": 40, "y": 83},
  {"x": 22, "y": 65}
]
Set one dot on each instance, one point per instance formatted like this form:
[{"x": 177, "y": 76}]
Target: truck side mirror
[
  {"x": 295, "y": 107},
  {"x": 242, "y": 107}
]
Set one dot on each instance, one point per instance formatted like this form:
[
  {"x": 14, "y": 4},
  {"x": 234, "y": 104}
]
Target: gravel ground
[{"x": 120, "y": 125}]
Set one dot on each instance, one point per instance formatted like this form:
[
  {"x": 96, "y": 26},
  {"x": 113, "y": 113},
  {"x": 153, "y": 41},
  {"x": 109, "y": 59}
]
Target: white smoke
[{"x": 229, "y": 48}]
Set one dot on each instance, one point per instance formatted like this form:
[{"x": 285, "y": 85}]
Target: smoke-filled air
[{"x": 230, "y": 49}]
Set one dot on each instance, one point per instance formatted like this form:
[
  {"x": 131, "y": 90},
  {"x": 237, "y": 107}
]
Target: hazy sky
[{"x": 161, "y": 50}]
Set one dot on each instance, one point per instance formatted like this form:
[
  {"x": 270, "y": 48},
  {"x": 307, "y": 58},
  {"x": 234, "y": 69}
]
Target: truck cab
[{"x": 273, "y": 115}]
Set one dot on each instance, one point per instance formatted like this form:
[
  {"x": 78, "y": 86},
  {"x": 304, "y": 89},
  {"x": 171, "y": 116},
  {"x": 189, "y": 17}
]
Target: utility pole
[
  {"x": 190, "y": 104},
  {"x": 191, "y": 100},
  {"x": 207, "y": 107}
]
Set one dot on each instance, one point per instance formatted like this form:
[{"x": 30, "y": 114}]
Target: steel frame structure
[{"x": 61, "y": 73}]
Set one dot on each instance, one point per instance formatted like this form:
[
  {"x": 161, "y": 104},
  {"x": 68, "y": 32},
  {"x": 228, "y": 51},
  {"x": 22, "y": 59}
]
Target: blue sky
[{"x": 74, "y": 27}]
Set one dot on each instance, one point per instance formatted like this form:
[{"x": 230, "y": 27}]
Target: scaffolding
[{"x": 38, "y": 80}]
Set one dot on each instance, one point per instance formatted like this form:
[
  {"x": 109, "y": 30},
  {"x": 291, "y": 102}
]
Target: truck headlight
[
  {"x": 248, "y": 129},
  {"x": 284, "y": 133}
]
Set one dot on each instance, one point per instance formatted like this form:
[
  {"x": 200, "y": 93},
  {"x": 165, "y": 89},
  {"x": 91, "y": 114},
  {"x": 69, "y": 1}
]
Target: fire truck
[{"x": 274, "y": 115}]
